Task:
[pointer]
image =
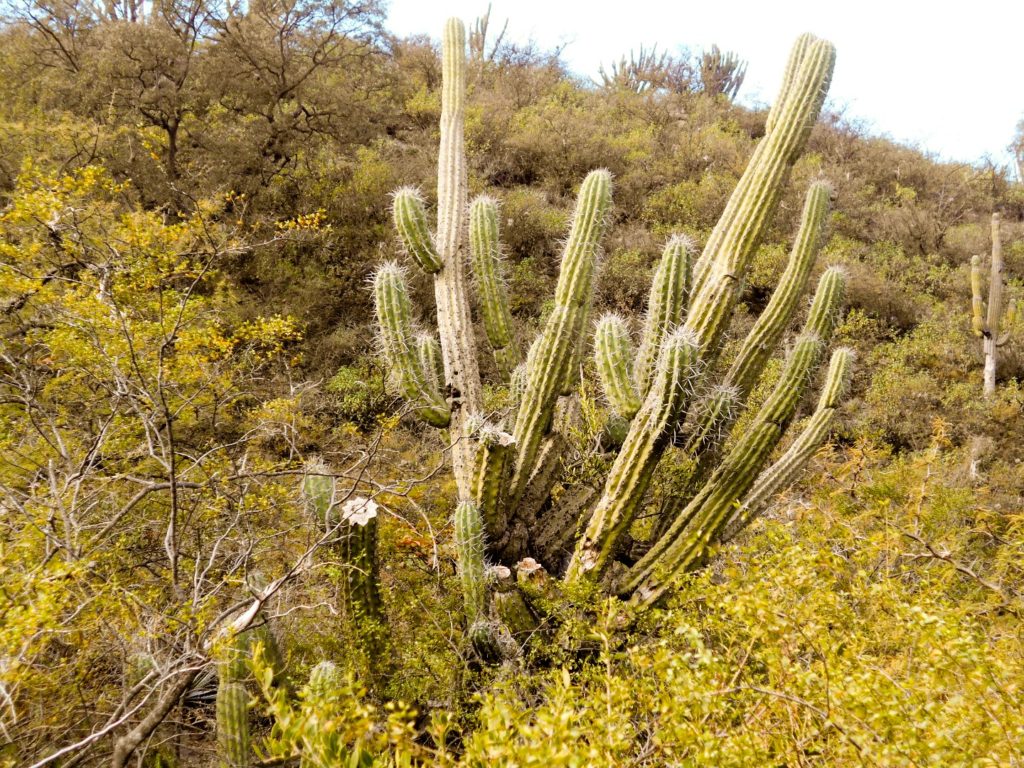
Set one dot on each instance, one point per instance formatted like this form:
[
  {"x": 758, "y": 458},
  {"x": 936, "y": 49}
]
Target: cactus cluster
[
  {"x": 987, "y": 317},
  {"x": 663, "y": 393}
]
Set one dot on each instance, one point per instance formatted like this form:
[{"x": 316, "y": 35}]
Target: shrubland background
[{"x": 193, "y": 201}]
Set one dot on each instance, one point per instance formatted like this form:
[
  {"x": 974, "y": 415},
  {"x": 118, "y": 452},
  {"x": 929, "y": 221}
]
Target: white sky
[{"x": 945, "y": 76}]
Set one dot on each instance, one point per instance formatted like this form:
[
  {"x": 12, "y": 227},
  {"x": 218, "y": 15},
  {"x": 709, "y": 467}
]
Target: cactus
[
  {"x": 986, "y": 324},
  {"x": 394, "y": 317},
  {"x": 233, "y": 725},
  {"x": 324, "y": 680},
  {"x": 351, "y": 529},
  {"x": 791, "y": 463},
  {"x": 232, "y": 708},
  {"x": 513, "y": 497},
  {"x": 488, "y": 270}
]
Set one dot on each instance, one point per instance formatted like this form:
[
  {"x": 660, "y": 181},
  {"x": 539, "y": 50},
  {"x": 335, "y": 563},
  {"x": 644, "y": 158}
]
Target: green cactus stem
[
  {"x": 631, "y": 471},
  {"x": 232, "y": 710},
  {"x": 469, "y": 541},
  {"x": 394, "y": 318},
  {"x": 352, "y": 529},
  {"x": 429, "y": 353},
  {"x": 490, "y": 477},
  {"x": 613, "y": 356},
  {"x": 554, "y": 357},
  {"x": 411, "y": 222},
  {"x": 785, "y": 470},
  {"x": 666, "y": 307},
  {"x": 233, "y": 725},
  {"x": 726, "y": 256},
  {"x": 488, "y": 268},
  {"x": 763, "y": 338}
]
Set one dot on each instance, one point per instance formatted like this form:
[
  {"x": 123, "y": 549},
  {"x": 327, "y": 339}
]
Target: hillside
[{"x": 206, "y": 376}]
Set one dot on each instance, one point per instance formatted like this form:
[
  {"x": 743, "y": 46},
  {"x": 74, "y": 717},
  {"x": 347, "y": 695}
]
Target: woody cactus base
[{"x": 661, "y": 395}]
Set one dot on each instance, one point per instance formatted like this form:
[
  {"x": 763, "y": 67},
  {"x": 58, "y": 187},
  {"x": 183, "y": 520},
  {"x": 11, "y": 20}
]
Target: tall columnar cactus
[
  {"x": 986, "y": 325},
  {"x": 661, "y": 393}
]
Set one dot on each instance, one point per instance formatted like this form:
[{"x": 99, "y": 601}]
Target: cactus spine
[{"x": 986, "y": 325}]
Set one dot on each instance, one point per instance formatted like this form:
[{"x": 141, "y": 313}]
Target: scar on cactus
[{"x": 663, "y": 399}]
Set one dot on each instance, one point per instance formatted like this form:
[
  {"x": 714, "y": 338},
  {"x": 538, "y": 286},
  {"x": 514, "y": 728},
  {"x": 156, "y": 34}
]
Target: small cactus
[
  {"x": 352, "y": 539},
  {"x": 232, "y": 708}
]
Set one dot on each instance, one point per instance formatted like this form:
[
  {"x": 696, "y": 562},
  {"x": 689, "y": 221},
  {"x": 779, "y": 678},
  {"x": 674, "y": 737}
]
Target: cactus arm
[
  {"x": 666, "y": 306},
  {"x": 772, "y": 322},
  {"x": 232, "y": 724},
  {"x": 411, "y": 223},
  {"x": 394, "y": 320},
  {"x": 995, "y": 286},
  {"x": 469, "y": 540},
  {"x": 783, "y": 472},
  {"x": 552, "y": 357},
  {"x": 429, "y": 353},
  {"x": 613, "y": 356},
  {"x": 977, "y": 302},
  {"x": 729, "y": 249},
  {"x": 1008, "y": 319},
  {"x": 489, "y": 479},
  {"x": 485, "y": 250},
  {"x": 687, "y": 539},
  {"x": 458, "y": 348},
  {"x": 633, "y": 466}
]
